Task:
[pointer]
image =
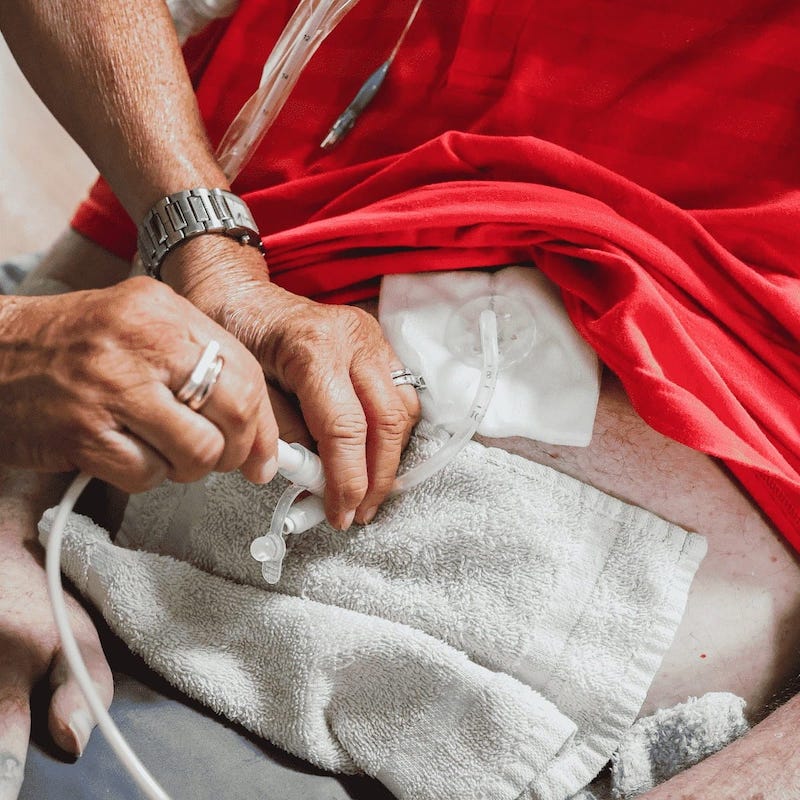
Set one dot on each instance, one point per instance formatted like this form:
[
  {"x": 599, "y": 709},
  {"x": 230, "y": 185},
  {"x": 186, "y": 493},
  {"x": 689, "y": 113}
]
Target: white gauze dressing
[{"x": 549, "y": 380}]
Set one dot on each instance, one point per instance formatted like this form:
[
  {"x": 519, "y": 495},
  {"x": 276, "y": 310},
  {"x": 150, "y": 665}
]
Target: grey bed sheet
[{"x": 191, "y": 752}]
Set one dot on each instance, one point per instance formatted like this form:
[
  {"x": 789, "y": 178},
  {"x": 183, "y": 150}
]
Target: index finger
[
  {"x": 239, "y": 406},
  {"x": 337, "y": 422}
]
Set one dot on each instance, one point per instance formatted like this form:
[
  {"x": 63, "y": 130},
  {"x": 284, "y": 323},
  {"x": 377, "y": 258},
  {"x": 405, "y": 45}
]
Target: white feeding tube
[
  {"x": 310, "y": 512},
  {"x": 146, "y": 782}
]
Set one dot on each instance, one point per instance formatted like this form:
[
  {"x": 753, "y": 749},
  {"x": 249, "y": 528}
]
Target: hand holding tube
[
  {"x": 87, "y": 381},
  {"x": 334, "y": 359},
  {"x": 310, "y": 512}
]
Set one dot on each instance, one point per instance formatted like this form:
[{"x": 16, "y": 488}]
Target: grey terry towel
[
  {"x": 452, "y": 647},
  {"x": 658, "y": 747}
]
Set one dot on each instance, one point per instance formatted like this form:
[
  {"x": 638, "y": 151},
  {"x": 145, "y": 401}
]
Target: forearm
[
  {"x": 112, "y": 73},
  {"x": 74, "y": 263},
  {"x": 764, "y": 764}
]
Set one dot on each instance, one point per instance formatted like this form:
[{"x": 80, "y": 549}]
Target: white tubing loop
[{"x": 146, "y": 782}]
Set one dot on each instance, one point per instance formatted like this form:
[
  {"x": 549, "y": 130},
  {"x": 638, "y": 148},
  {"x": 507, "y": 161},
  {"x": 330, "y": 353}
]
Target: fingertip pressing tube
[{"x": 310, "y": 512}]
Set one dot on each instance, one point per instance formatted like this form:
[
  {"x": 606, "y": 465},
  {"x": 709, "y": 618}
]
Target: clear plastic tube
[
  {"x": 456, "y": 443},
  {"x": 288, "y": 497},
  {"x": 146, "y": 782},
  {"x": 304, "y": 33},
  {"x": 273, "y": 544}
]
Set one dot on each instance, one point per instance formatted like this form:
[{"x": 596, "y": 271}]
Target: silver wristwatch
[{"x": 183, "y": 215}]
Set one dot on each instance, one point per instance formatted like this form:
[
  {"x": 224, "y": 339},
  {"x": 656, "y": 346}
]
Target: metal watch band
[{"x": 189, "y": 213}]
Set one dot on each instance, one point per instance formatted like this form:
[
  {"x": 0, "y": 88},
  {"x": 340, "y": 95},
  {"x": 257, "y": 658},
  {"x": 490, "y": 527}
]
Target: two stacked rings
[{"x": 197, "y": 389}]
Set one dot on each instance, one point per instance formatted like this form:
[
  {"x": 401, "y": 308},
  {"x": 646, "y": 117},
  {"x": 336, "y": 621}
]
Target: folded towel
[
  {"x": 344, "y": 690},
  {"x": 562, "y": 599}
]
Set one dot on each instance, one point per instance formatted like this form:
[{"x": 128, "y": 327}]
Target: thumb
[{"x": 70, "y": 720}]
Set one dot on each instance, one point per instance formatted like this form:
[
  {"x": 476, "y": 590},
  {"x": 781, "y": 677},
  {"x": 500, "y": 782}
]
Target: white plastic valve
[
  {"x": 300, "y": 466},
  {"x": 269, "y": 550}
]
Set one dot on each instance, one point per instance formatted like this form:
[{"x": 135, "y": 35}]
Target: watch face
[{"x": 240, "y": 213}]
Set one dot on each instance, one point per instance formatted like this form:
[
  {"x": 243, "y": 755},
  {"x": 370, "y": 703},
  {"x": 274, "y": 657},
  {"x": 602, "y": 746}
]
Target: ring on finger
[
  {"x": 197, "y": 389},
  {"x": 405, "y": 377},
  {"x": 198, "y": 399}
]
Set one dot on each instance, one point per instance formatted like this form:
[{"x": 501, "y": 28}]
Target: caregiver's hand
[
  {"x": 29, "y": 644},
  {"x": 333, "y": 358},
  {"x": 87, "y": 381}
]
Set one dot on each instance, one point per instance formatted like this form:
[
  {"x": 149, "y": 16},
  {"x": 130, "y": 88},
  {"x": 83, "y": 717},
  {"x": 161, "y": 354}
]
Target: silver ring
[
  {"x": 197, "y": 389},
  {"x": 405, "y": 377}
]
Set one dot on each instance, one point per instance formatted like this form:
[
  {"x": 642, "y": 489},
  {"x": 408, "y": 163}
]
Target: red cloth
[{"x": 643, "y": 158}]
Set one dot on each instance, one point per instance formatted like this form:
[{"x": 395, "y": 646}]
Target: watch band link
[{"x": 189, "y": 213}]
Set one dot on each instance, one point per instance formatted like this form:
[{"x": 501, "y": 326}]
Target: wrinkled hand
[
  {"x": 30, "y": 649},
  {"x": 333, "y": 358},
  {"x": 87, "y": 381}
]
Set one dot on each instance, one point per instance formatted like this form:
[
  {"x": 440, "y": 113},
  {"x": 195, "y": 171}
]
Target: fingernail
[
  {"x": 268, "y": 471},
  {"x": 81, "y": 724},
  {"x": 369, "y": 515},
  {"x": 347, "y": 520}
]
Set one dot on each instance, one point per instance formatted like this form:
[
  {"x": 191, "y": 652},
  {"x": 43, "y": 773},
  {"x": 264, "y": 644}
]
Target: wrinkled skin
[
  {"x": 30, "y": 648},
  {"x": 87, "y": 382},
  {"x": 334, "y": 359}
]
